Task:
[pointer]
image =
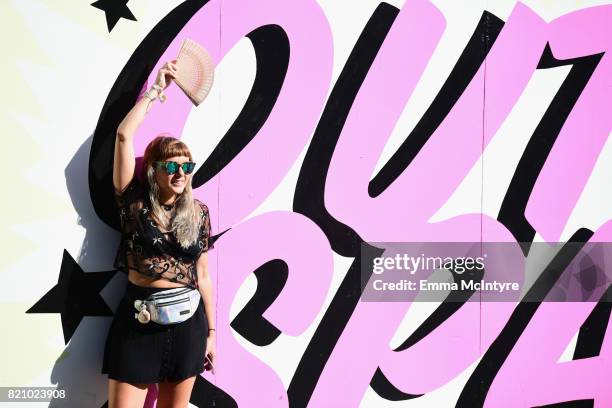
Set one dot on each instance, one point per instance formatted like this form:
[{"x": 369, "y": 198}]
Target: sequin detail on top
[{"x": 151, "y": 252}]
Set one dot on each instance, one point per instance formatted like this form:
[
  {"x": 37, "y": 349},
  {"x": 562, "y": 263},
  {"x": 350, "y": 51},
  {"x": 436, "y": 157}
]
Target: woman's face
[{"x": 172, "y": 183}]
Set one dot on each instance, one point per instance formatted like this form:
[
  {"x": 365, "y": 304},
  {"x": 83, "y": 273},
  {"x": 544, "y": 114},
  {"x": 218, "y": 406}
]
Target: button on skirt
[{"x": 152, "y": 353}]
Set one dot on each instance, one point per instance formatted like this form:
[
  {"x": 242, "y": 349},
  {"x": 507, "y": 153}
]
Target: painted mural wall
[{"x": 330, "y": 124}]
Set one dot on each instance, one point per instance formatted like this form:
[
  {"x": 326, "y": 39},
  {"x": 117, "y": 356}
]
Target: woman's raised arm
[{"x": 124, "y": 161}]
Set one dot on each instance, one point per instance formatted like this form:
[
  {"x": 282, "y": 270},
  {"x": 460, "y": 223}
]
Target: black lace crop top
[{"x": 145, "y": 249}]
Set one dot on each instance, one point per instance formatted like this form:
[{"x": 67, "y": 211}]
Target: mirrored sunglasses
[{"x": 172, "y": 167}]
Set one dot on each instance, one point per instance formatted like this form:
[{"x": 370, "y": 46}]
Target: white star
[{"x": 157, "y": 240}]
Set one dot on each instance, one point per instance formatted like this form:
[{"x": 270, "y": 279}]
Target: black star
[
  {"x": 114, "y": 10},
  {"x": 76, "y": 294}
]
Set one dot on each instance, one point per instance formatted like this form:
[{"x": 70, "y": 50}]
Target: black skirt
[{"x": 152, "y": 353}]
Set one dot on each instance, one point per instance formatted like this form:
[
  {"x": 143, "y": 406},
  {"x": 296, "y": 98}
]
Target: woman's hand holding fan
[{"x": 166, "y": 74}]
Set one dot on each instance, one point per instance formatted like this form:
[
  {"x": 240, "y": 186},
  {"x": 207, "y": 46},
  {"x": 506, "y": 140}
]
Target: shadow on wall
[
  {"x": 78, "y": 369},
  {"x": 101, "y": 241}
]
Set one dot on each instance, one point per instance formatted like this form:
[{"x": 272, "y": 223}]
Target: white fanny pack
[{"x": 170, "y": 306}]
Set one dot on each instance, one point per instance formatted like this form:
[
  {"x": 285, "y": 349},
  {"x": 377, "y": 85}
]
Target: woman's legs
[
  {"x": 175, "y": 394},
  {"x": 125, "y": 395}
]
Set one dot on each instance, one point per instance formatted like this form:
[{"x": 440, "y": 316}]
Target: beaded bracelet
[
  {"x": 160, "y": 92},
  {"x": 152, "y": 93},
  {"x": 149, "y": 96}
]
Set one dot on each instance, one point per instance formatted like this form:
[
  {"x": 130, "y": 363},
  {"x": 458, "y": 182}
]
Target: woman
[{"x": 165, "y": 239}]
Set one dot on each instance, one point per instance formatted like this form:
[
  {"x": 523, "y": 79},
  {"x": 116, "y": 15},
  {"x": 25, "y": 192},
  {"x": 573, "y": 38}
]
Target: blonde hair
[{"x": 185, "y": 223}]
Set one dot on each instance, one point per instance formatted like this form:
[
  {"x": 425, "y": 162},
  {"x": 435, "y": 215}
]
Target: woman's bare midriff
[{"x": 142, "y": 280}]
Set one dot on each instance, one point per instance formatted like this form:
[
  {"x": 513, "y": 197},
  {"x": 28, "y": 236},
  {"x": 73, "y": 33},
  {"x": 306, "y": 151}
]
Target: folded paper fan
[{"x": 194, "y": 71}]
